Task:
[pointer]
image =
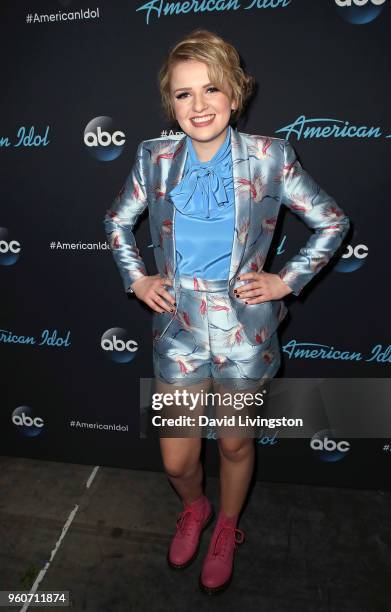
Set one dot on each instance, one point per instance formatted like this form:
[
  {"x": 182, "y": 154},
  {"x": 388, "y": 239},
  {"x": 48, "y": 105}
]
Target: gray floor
[{"x": 307, "y": 548}]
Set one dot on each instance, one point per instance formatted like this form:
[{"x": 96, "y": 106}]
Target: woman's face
[{"x": 193, "y": 96}]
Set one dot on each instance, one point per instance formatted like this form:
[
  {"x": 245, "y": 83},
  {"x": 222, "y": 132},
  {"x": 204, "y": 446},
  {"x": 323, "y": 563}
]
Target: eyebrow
[{"x": 188, "y": 88}]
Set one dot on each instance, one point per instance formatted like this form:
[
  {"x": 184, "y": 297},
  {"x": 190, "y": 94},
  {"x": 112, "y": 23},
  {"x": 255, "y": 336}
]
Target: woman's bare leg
[
  {"x": 236, "y": 468},
  {"x": 181, "y": 456},
  {"x": 237, "y": 453}
]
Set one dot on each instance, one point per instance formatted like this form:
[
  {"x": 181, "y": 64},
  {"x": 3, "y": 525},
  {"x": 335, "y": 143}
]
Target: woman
[{"x": 213, "y": 198}]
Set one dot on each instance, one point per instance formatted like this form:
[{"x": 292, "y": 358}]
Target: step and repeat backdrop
[{"x": 79, "y": 93}]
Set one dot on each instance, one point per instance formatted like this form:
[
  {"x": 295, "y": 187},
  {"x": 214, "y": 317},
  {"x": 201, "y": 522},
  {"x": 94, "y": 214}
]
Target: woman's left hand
[{"x": 262, "y": 288}]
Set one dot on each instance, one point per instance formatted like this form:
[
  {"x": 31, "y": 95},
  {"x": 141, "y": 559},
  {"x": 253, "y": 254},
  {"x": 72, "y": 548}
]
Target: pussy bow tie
[{"x": 204, "y": 184}]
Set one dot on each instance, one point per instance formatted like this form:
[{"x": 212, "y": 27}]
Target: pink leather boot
[
  {"x": 217, "y": 569},
  {"x": 190, "y": 523}
]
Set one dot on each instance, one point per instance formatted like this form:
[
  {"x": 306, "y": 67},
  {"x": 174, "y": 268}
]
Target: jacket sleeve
[
  {"x": 119, "y": 221},
  {"x": 320, "y": 212}
]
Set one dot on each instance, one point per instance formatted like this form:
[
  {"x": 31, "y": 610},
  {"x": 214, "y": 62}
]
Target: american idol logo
[
  {"x": 305, "y": 128},
  {"x": 48, "y": 338},
  {"x": 28, "y": 425},
  {"x": 360, "y": 11},
  {"x": 265, "y": 440},
  {"x": 27, "y": 138},
  {"x": 9, "y": 248},
  {"x": 262, "y": 439},
  {"x": 103, "y": 139},
  {"x": 315, "y": 350},
  {"x": 327, "y": 447},
  {"x": 118, "y": 346},
  {"x": 166, "y": 8}
]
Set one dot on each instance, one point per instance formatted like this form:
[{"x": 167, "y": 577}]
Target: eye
[{"x": 185, "y": 93}]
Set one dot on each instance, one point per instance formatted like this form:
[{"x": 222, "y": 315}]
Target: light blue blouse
[{"x": 204, "y": 220}]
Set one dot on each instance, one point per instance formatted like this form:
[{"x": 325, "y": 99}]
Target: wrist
[
  {"x": 287, "y": 288},
  {"x": 135, "y": 282}
]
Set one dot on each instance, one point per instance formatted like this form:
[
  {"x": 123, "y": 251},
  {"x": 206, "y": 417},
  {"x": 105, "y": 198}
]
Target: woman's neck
[{"x": 206, "y": 150}]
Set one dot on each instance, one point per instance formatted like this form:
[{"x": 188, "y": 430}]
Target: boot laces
[
  {"x": 224, "y": 537},
  {"x": 184, "y": 520}
]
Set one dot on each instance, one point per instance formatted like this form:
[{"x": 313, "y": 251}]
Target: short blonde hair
[{"x": 223, "y": 62}]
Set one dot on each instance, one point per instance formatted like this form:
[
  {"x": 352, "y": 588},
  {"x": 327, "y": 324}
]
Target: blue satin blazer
[{"x": 266, "y": 174}]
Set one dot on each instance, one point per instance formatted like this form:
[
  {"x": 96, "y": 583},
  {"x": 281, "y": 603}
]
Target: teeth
[{"x": 202, "y": 119}]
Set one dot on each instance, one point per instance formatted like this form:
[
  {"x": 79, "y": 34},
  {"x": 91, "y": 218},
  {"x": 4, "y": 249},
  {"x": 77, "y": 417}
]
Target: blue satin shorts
[{"x": 205, "y": 340}]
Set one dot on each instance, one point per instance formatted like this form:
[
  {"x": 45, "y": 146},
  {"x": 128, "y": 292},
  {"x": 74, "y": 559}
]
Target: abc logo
[
  {"x": 359, "y": 2},
  {"x": 28, "y": 425},
  {"x": 103, "y": 138},
  {"x": 13, "y": 246},
  {"x": 359, "y": 11},
  {"x": 353, "y": 258},
  {"x": 330, "y": 445},
  {"x": 26, "y": 420},
  {"x": 360, "y": 251},
  {"x": 9, "y": 249},
  {"x": 116, "y": 344}
]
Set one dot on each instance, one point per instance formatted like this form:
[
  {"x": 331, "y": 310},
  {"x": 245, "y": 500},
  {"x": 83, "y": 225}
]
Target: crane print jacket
[{"x": 266, "y": 174}]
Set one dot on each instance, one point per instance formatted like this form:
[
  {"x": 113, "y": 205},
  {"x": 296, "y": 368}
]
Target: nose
[{"x": 199, "y": 104}]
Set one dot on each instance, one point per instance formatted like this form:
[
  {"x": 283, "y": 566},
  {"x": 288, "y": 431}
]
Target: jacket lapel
[
  {"x": 174, "y": 176},
  {"x": 242, "y": 183}
]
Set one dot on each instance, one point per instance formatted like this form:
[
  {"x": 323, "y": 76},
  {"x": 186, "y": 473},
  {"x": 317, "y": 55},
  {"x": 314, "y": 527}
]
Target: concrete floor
[{"x": 102, "y": 533}]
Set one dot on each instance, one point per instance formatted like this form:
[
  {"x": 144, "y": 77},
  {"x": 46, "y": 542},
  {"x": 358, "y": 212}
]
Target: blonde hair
[{"x": 223, "y": 64}]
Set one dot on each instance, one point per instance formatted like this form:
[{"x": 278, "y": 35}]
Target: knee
[
  {"x": 178, "y": 467},
  {"x": 236, "y": 449}
]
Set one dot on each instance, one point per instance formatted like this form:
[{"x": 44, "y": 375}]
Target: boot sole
[
  {"x": 215, "y": 590},
  {"x": 190, "y": 561}
]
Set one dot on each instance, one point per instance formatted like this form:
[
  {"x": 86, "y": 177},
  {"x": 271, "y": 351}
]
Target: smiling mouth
[{"x": 202, "y": 120}]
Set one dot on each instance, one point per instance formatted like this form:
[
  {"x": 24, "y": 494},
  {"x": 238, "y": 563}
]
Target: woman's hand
[
  {"x": 150, "y": 289},
  {"x": 262, "y": 288}
]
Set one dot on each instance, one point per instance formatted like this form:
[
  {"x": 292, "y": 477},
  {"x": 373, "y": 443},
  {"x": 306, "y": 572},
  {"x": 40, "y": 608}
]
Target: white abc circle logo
[
  {"x": 116, "y": 344},
  {"x": 26, "y": 420},
  {"x": 359, "y": 2},
  {"x": 103, "y": 138},
  {"x": 360, "y": 251},
  {"x": 330, "y": 445},
  {"x": 13, "y": 246}
]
